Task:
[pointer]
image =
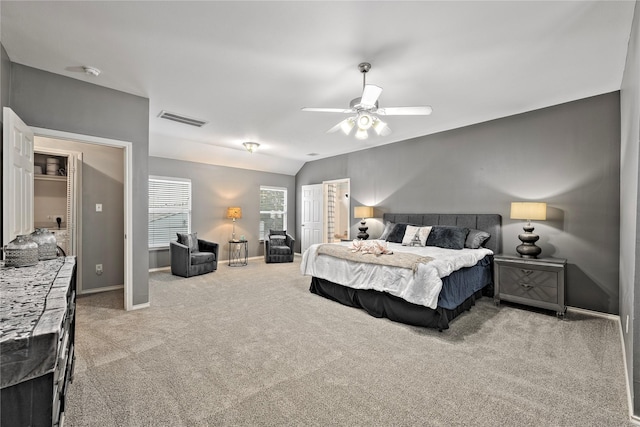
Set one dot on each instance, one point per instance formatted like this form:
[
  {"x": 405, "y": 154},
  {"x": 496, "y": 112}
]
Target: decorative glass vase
[
  {"x": 21, "y": 252},
  {"x": 47, "y": 244}
]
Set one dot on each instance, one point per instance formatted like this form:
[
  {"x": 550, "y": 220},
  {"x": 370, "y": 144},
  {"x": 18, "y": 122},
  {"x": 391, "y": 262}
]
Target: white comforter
[{"x": 421, "y": 287}]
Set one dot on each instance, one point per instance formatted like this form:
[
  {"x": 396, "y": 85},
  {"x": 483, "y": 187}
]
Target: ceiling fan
[{"x": 365, "y": 110}]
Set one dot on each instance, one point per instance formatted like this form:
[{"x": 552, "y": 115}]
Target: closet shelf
[{"x": 42, "y": 177}]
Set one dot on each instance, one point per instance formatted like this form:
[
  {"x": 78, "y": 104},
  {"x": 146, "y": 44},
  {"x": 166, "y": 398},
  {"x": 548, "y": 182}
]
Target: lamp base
[
  {"x": 528, "y": 248},
  {"x": 363, "y": 235}
]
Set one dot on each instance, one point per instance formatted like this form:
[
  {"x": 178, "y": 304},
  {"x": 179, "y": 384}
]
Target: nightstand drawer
[{"x": 538, "y": 285}]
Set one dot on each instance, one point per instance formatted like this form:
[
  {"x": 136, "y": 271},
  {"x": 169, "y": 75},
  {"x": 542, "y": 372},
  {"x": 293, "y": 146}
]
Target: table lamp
[
  {"x": 363, "y": 212},
  {"x": 529, "y": 211},
  {"x": 234, "y": 213}
]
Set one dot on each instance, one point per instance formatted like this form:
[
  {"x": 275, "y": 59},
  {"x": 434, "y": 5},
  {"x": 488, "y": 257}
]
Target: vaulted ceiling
[{"x": 247, "y": 68}]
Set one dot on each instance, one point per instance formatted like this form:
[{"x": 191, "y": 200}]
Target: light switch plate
[{"x": 98, "y": 207}]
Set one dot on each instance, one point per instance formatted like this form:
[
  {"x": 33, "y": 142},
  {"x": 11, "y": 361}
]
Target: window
[
  {"x": 169, "y": 209},
  {"x": 273, "y": 209}
]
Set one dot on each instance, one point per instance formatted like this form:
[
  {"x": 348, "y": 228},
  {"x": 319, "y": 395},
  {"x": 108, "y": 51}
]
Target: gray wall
[
  {"x": 629, "y": 227},
  {"x": 5, "y": 79},
  {"x": 52, "y": 101},
  {"x": 102, "y": 182},
  {"x": 567, "y": 155},
  {"x": 214, "y": 188}
]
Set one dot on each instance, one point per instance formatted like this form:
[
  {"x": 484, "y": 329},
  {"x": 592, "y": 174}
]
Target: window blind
[
  {"x": 169, "y": 209},
  {"x": 273, "y": 209}
]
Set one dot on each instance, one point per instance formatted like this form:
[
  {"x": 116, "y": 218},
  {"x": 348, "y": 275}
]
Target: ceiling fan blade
[
  {"x": 424, "y": 110},
  {"x": 370, "y": 95},
  {"x": 329, "y": 110}
]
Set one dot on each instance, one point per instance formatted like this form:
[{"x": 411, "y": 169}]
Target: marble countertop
[{"x": 33, "y": 304}]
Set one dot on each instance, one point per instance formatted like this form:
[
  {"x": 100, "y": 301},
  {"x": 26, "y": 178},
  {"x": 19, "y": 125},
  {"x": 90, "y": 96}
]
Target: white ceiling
[{"x": 249, "y": 67}]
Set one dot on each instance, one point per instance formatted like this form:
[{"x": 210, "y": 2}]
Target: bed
[{"x": 430, "y": 302}]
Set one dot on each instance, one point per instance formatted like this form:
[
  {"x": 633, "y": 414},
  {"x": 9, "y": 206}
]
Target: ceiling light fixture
[
  {"x": 251, "y": 146},
  {"x": 92, "y": 71}
]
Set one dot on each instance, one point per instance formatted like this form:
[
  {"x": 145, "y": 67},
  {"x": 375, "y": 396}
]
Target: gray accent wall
[
  {"x": 213, "y": 190},
  {"x": 566, "y": 155},
  {"x": 52, "y": 101},
  {"x": 629, "y": 218}
]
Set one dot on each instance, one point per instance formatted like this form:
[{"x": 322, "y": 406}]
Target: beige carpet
[{"x": 252, "y": 346}]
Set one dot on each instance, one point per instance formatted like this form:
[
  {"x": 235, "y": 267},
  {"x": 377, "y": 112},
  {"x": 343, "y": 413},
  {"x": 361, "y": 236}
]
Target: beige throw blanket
[{"x": 397, "y": 259}]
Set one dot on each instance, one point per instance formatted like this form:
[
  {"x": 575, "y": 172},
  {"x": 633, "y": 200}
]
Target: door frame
[{"x": 128, "y": 199}]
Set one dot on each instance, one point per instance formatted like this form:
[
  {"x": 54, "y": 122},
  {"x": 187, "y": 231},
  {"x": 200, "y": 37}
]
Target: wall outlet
[
  {"x": 98, "y": 207},
  {"x": 99, "y": 269}
]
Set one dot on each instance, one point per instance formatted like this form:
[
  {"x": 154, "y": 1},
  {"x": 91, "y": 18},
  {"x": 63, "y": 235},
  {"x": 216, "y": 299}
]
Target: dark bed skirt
[{"x": 382, "y": 304}]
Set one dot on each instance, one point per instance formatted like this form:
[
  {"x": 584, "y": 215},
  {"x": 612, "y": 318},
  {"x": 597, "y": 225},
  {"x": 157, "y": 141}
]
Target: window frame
[
  {"x": 188, "y": 210},
  {"x": 284, "y": 212}
]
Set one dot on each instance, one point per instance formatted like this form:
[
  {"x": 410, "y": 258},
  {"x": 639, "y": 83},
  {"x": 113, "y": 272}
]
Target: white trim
[
  {"x": 140, "y": 306},
  {"x": 153, "y": 270},
  {"x": 128, "y": 199},
  {"x": 593, "y": 313},
  {"x": 98, "y": 290},
  {"x": 632, "y": 417}
]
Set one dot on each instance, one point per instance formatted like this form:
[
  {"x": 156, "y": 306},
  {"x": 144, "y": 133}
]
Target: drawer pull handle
[
  {"x": 526, "y": 285},
  {"x": 527, "y": 272}
]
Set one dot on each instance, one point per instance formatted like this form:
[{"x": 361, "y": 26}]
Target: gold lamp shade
[
  {"x": 234, "y": 212},
  {"x": 529, "y": 210},
  {"x": 363, "y": 212}
]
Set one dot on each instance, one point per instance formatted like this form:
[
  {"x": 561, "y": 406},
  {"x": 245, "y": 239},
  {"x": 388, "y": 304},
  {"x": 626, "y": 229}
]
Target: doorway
[
  {"x": 124, "y": 252},
  {"x": 336, "y": 210}
]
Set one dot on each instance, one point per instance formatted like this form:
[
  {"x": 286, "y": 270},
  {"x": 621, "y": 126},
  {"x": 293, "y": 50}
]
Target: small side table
[
  {"x": 538, "y": 282},
  {"x": 238, "y": 253}
]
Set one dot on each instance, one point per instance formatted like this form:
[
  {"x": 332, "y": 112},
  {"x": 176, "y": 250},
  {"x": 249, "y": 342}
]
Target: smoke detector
[{"x": 92, "y": 71}]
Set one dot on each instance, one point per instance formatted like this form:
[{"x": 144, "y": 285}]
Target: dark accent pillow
[
  {"x": 447, "y": 237},
  {"x": 190, "y": 240},
  {"x": 388, "y": 228},
  {"x": 476, "y": 238},
  {"x": 277, "y": 232},
  {"x": 397, "y": 234}
]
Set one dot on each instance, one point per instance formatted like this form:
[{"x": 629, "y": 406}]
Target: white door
[
  {"x": 311, "y": 215},
  {"x": 17, "y": 177}
]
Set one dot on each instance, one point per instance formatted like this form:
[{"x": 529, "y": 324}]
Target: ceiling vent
[{"x": 182, "y": 119}]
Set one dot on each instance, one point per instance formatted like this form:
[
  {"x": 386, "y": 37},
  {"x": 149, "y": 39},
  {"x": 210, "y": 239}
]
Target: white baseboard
[
  {"x": 613, "y": 317},
  {"x": 141, "y": 306},
  {"x": 151, "y": 270},
  {"x": 104, "y": 289}
]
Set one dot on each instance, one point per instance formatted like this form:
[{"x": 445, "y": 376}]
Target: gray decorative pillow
[
  {"x": 447, "y": 237},
  {"x": 190, "y": 240},
  {"x": 476, "y": 238},
  {"x": 277, "y": 232},
  {"x": 388, "y": 228},
  {"x": 397, "y": 234}
]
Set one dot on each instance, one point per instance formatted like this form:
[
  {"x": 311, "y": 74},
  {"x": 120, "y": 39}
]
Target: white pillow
[{"x": 415, "y": 236}]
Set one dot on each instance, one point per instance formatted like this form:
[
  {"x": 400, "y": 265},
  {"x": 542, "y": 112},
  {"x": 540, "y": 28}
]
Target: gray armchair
[
  {"x": 278, "y": 247},
  {"x": 191, "y": 256}
]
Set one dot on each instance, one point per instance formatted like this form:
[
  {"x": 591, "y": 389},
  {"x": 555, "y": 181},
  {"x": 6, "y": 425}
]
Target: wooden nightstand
[{"x": 537, "y": 282}]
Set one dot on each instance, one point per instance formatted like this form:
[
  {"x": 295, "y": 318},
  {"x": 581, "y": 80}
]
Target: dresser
[
  {"x": 537, "y": 282},
  {"x": 36, "y": 342}
]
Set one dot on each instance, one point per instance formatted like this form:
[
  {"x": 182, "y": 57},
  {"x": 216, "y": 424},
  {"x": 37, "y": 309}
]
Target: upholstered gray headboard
[{"x": 491, "y": 223}]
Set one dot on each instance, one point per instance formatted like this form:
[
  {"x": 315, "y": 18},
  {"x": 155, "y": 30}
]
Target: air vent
[{"x": 182, "y": 119}]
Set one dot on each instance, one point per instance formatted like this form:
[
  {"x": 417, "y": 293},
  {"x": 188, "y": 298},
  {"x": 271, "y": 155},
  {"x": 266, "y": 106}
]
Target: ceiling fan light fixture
[
  {"x": 379, "y": 126},
  {"x": 362, "y": 134},
  {"x": 251, "y": 146},
  {"x": 347, "y": 125},
  {"x": 365, "y": 121}
]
